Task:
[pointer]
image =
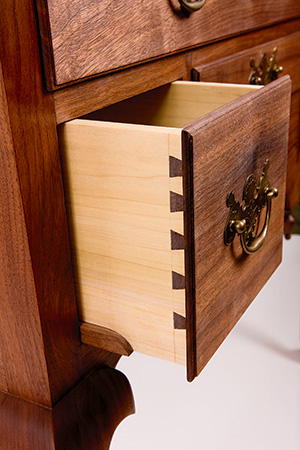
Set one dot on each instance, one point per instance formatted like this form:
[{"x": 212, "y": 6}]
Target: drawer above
[
  {"x": 83, "y": 39},
  {"x": 146, "y": 198}
]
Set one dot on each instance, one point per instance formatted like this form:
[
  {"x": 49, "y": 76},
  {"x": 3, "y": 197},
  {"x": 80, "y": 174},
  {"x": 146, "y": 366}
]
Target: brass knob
[
  {"x": 242, "y": 218},
  {"x": 191, "y": 6}
]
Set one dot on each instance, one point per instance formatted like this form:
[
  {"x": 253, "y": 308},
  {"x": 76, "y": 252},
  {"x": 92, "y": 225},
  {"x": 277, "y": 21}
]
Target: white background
[{"x": 247, "y": 397}]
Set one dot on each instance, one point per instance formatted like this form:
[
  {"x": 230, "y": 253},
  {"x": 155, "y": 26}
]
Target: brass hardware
[
  {"x": 242, "y": 218},
  {"x": 190, "y": 7},
  {"x": 267, "y": 71}
]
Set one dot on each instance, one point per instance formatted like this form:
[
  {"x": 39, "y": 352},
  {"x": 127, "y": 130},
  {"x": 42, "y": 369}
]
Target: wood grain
[
  {"x": 241, "y": 43},
  {"x": 83, "y": 44},
  {"x": 3, "y": 383},
  {"x": 85, "y": 97},
  {"x": 40, "y": 346},
  {"x": 17, "y": 284},
  {"x": 41, "y": 356},
  {"x": 173, "y": 105},
  {"x": 84, "y": 420},
  {"x": 46, "y": 300},
  {"x": 104, "y": 338},
  {"x": 4, "y": 131},
  {"x": 117, "y": 185},
  {"x": 225, "y": 279}
]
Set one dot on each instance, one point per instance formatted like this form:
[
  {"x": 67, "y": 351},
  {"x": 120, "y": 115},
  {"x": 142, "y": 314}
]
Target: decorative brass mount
[
  {"x": 267, "y": 71},
  {"x": 242, "y": 219}
]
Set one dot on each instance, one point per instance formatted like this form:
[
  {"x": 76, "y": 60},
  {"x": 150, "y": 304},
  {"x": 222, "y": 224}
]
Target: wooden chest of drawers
[{"x": 60, "y": 62}]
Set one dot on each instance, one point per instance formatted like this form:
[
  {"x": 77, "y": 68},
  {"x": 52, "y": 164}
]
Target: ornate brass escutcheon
[
  {"x": 242, "y": 219},
  {"x": 267, "y": 71}
]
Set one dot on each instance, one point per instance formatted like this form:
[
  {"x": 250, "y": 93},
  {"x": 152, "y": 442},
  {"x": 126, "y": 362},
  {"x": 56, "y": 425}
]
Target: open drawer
[{"x": 146, "y": 185}]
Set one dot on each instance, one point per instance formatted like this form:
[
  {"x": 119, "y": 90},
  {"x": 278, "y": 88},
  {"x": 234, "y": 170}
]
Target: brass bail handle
[
  {"x": 252, "y": 245},
  {"x": 191, "y": 6},
  {"x": 242, "y": 217}
]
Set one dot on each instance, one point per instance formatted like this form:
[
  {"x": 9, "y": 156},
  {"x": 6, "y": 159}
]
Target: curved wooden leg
[{"x": 85, "y": 419}]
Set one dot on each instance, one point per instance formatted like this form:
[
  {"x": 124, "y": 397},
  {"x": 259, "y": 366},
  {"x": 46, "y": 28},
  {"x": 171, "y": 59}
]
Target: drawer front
[
  {"x": 224, "y": 149},
  {"x": 82, "y": 39},
  {"x": 236, "y": 68},
  {"x": 148, "y": 250}
]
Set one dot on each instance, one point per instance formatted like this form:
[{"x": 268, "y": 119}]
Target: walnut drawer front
[
  {"x": 236, "y": 68},
  {"x": 82, "y": 39},
  {"x": 146, "y": 198}
]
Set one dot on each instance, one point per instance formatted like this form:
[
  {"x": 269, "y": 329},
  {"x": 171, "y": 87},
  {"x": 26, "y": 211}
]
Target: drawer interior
[
  {"x": 123, "y": 183},
  {"x": 173, "y": 105}
]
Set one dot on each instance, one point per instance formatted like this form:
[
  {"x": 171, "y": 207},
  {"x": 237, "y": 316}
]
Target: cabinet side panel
[
  {"x": 21, "y": 343},
  {"x": 30, "y": 111},
  {"x": 3, "y": 383}
]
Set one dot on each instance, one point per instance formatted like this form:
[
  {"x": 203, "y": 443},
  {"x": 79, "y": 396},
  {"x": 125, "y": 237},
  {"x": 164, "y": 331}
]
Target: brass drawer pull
[
  {"x": 191, "y": 6},
  {"x": 242, "y": 219},
  {"x": 267, "y": 71}
]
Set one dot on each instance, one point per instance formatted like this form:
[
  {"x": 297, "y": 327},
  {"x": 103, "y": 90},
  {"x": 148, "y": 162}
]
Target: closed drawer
[
  {"x": 146, "y": 198},
  {"x": 82, "y": 39},
  {"x": 236, "y": 68}
]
